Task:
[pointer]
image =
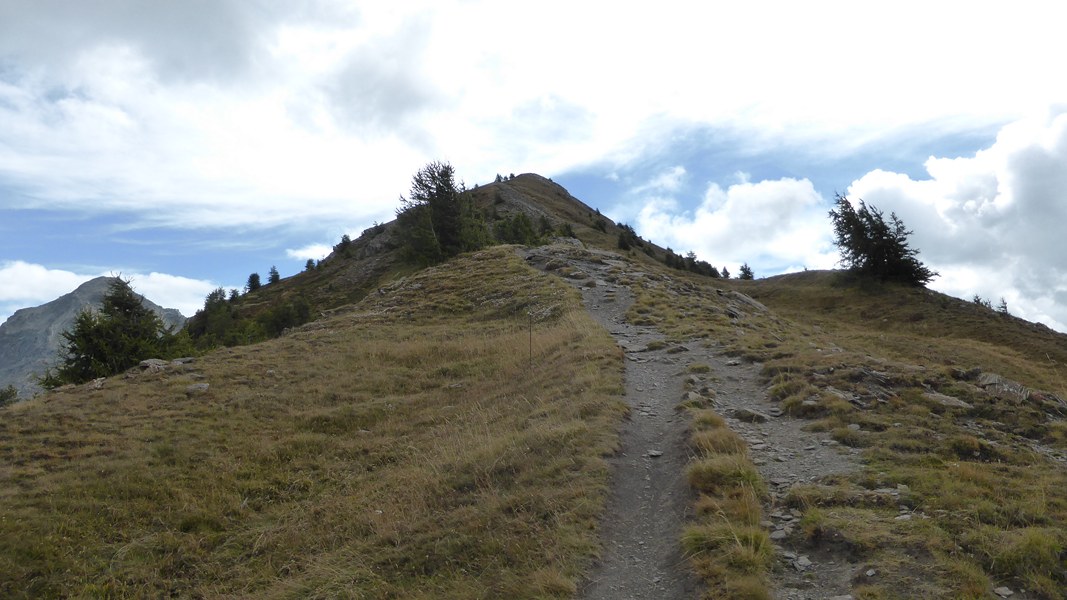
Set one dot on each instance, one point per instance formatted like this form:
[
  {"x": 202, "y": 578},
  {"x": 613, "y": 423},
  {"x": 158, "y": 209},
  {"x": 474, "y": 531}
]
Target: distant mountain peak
[{"x": 31, "y": 338}]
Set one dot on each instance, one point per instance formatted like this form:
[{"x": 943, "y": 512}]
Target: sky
[{"x": 188, "y": 144}]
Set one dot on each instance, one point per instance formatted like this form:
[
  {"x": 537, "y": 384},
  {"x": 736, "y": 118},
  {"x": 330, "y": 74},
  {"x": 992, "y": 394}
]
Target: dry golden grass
[
  {"x": 443, "y": 439},
  {"x": 725, "y": 544}
]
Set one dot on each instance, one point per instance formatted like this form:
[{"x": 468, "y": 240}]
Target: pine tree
[
  {"x": 273, "y": 276},
  {"x": 123, "y": 333},
  {"x": 253, "y": 282},
  {"x": 1002, "y": 308},
  {"x": 437, "y": 220},
  {"x": 746, "y": 272},
  {"x": 871, "y": 246}
]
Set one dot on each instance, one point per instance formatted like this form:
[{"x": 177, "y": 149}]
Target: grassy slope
[
  {"x": 986, "y": 503},
  {"x": 991, "y": 504},
  {"x": 408, "y": 447}
]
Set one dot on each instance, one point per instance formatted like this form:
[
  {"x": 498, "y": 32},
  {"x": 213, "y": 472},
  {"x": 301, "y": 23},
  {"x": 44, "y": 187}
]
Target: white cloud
[
  {"x": 172, "y": 291},
  {"x": 777, "y": 225},
  {"x": 25, "y": 284},
  {"x": 22, "y": 283},
  {"x": 666, "y": 182},
  {"x": 281, "y": 111},
  {"x": 311, "y": 251},
  {"x": 991, "y": 224}
]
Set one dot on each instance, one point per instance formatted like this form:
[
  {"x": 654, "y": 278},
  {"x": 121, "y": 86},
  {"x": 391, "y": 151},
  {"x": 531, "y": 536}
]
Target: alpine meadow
[{"x": 502, "y": 393}]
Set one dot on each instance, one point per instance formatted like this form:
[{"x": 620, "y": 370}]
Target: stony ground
[{"x": 650, "y": 499}]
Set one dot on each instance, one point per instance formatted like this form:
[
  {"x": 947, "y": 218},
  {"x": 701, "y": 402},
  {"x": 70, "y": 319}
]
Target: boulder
[
  {"x": 945, "y": 400},
  {"x": 196, "y": 389},
  {"x": 749, "y": 415},
  {"x": 153, "y": 365}
]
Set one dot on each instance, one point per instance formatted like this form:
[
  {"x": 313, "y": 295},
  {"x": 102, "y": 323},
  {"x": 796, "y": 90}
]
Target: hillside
[
  {"x": 357, "y": 268},
  {"x": 470, "y": 431}
]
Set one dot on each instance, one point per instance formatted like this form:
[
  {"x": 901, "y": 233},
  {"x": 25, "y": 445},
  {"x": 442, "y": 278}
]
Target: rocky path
[
  {"x": 785, "y": 455},
  {"x": 650, "y": 499}
]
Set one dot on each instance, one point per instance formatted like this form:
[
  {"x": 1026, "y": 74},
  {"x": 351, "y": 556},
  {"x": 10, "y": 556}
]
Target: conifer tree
[
  {"x": 273, "y": 276},
  {"x": 746, "y": 272},
  {"x": 871, "y": 246},
  {"x": 123, "y": 333},
  {"x": 437, "y": 220}
]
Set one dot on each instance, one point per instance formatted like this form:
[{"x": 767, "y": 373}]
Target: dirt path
[{"x": 650, "y": 499}]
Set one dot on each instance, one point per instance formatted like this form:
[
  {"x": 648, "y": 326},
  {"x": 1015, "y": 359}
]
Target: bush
[
  {"x": 628, "y": 238},
  {"x": 517, "y": 230},
  {"x": 8, "y": 395}
]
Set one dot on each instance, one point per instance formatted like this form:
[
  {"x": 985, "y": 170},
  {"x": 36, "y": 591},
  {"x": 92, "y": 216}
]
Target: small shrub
[
  {"x": 848, "y": 437},
  {"x": 741, "y": 505},
  {"x": 707, "y": 419},
  {"x": 714, "y": 474},
  {"x": 718, "y": 441},
  {"x": 8, "y": 395}
]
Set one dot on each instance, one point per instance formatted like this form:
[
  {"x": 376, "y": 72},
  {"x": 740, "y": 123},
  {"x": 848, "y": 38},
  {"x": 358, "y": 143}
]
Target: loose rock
[
  {"x": 749, "y": 415},
  {"x": 195, "y": 389},
  {"x": 944, "y": 400}
]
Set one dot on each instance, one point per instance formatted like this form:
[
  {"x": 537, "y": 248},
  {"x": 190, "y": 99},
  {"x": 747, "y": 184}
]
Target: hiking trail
[{"x": 650, "y": 500}]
